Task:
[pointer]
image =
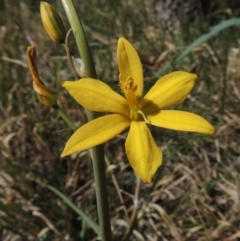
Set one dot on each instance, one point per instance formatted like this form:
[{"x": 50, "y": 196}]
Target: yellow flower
[
  {"x": 134, "y": 111},
  {"x": 45, "y": 95}
]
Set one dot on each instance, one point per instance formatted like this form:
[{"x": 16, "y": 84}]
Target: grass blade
[
  {"x": 90, "y": 222},
  {"x": 216, "y": 29}
]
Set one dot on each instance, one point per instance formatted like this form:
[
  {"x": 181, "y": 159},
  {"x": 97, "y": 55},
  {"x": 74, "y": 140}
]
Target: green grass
[{"x": 194, "y": 197}]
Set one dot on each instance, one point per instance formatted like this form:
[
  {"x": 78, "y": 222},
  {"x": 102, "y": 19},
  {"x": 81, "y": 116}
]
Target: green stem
[
  {"x": 97, "y": 152},
  {"x": 65, "y": 118},
  {"x": 133, "y": 219},
  {"x": 80, "y": 37}
]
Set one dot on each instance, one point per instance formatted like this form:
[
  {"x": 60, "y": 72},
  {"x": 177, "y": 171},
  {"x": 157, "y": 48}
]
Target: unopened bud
[
  {"x": 45, "y": 95},
  {"x": 52, "y": 23}
]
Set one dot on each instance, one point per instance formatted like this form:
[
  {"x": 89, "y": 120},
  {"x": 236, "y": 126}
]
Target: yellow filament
[{"x": 143, "y": 116}]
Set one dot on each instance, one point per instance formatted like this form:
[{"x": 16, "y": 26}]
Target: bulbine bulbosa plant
[{"x": 111, "y": 112}]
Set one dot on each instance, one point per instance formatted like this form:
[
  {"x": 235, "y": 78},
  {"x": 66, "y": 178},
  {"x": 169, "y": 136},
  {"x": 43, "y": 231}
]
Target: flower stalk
[{"x": 97, "y": 153}]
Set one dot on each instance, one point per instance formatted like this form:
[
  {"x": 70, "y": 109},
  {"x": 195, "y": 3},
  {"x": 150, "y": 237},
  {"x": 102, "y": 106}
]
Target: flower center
[{"x": 129, "y": 88}]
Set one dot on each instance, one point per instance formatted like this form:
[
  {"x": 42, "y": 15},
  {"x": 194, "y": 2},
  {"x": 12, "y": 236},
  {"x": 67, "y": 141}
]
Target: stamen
[
  {"x": 143, "y": 116},
  {"x": 129, "y": 84},
  {"x": 128, "y": 88}
]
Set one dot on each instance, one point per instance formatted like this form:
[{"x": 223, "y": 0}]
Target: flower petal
[
  {"x": 96, "y": 132},
  {"x": 181, "y": 121},
  {"x": 169, "y": 90},
  {"x": 143, "y": 154},
  {"x": 96, "y": 95},
  {"x": 129, "y": 64}
]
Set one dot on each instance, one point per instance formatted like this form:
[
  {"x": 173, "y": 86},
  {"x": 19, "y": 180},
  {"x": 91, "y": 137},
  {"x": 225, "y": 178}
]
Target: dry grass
[{"x": 195, "y": 196}]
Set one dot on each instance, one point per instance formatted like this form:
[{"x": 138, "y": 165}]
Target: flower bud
[
  {"x": 45, "y": 96},
  {"x": 52, "y": 23}
]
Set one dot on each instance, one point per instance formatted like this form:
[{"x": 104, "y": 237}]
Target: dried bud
[
  {"x": 79, "y": 67},
  {"x": 45, "y": 96},
  {"x": 52, "y": 23}
]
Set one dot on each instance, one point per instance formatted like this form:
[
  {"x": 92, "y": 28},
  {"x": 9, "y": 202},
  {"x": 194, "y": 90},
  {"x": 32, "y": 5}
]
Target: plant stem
[
  {"x": 65, "y": 118},
  {"x": 80, "y": 37},
  {"x": 133, "y": 219},
  {"x": 97, "y": 152}
]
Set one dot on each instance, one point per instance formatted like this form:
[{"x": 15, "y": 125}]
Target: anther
[{"x": 130, "y": 84}]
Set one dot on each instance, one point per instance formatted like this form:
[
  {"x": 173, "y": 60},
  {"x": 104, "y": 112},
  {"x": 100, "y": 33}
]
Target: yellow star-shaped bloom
[{"x": 134, "y": 111}]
